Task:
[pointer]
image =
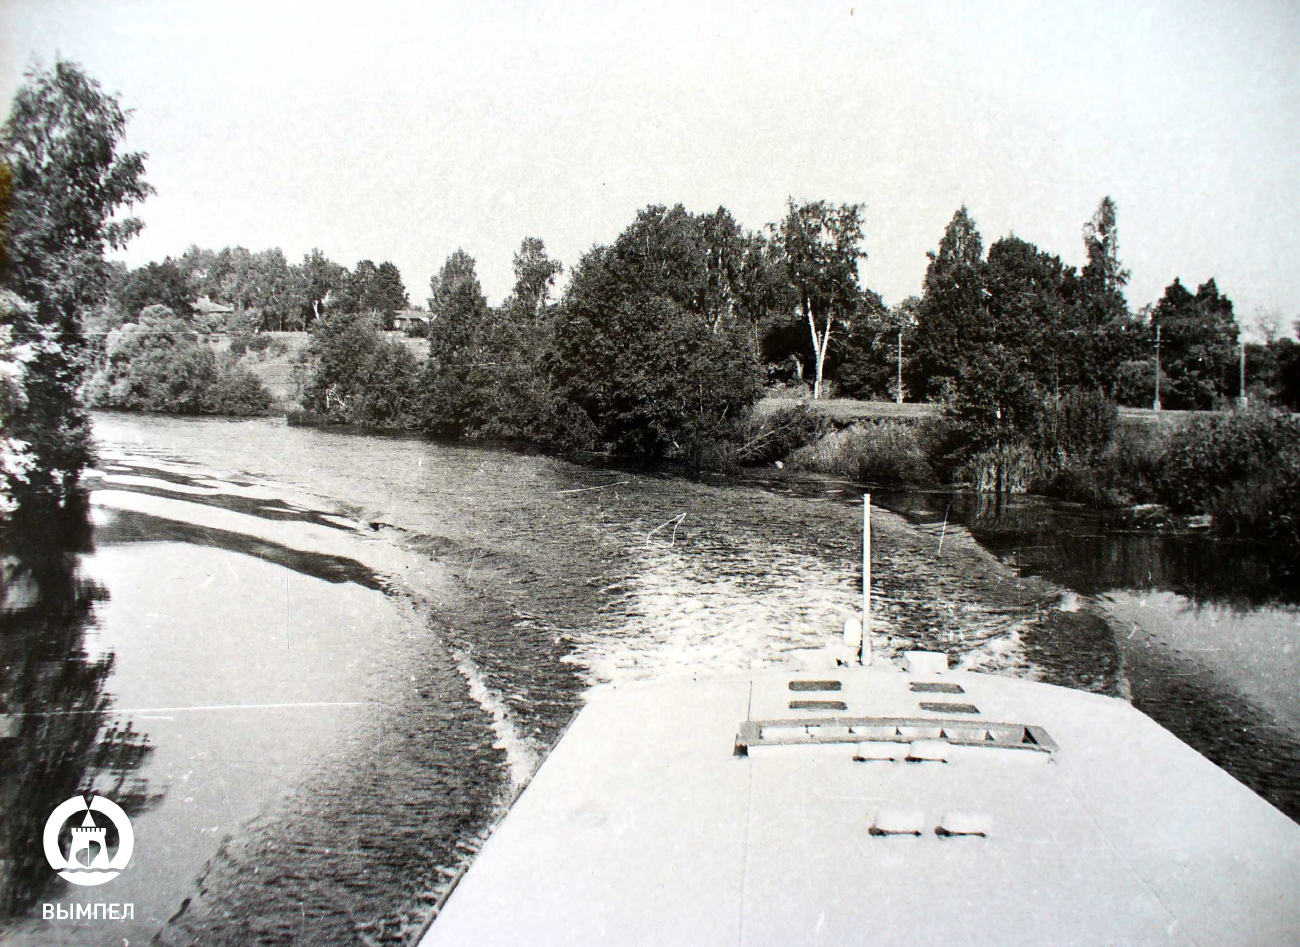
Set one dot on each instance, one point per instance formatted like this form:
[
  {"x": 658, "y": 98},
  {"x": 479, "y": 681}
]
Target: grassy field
[{"x": 848, "y": 409}]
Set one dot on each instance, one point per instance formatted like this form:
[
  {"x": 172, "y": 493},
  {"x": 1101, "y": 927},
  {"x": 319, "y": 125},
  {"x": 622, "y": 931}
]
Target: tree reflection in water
[
  {"x": 58, "y": 734},
  {"x": 1091, "y": 552}
]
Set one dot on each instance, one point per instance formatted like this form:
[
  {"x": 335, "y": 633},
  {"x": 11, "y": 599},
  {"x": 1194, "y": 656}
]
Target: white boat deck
[{"x": 646, "y": 826}]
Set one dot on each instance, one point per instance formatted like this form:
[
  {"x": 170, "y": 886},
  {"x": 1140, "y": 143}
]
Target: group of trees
[
  {"x": 664, "y": 337},
  {"x": 158, "y": 362},
  {"x": 266, "y": 290},
  {"x": 656, "y": 348}
]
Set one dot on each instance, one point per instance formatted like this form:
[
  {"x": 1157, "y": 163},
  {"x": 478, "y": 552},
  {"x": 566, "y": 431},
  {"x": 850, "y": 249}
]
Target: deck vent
[
  {"x": 944, "y": 707},
  {"x": 958, "y": 824},
  {"x": 898, "y": 822},
  {"x": 935, "y": 687},
  {"x": 818, "y": 705},
  {"x": 816, "y": 686}
]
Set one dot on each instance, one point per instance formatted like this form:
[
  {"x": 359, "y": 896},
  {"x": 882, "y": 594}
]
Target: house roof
[{"x": 207, "y": 306}]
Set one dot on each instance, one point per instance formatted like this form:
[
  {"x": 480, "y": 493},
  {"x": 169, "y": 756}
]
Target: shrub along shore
[{"x": 1241, "y": 467}]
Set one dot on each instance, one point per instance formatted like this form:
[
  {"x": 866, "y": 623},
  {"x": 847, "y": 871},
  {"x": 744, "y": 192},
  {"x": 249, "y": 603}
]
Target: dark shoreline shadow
[{"x": 62, "y": 737}]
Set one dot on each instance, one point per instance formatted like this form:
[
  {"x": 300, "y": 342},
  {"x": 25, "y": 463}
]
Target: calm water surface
[
  {"x": 1208, "y": 629},
  {"x": 320, "y": 663}
]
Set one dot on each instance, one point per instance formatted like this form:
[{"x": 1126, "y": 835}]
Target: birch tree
[{"x": 821, "y": 244}]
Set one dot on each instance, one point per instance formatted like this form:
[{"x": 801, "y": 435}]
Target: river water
[{"x": 314, "y": 666}]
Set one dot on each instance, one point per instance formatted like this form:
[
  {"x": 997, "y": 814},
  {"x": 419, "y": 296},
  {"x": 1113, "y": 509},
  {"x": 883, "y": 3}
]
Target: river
[{"x": 314, "y": 666}]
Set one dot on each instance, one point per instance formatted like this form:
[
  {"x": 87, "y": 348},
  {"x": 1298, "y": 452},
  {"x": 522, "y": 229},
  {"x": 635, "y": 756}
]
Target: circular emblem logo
[{"x": 87, "y": 861}]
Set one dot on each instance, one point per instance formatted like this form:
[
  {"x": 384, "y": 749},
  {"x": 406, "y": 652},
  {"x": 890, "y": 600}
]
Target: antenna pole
[{"x": 865, "y": 654}]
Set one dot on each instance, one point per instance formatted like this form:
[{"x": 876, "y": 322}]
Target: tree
[
  {"x": 1198, "y": 345},
  {"x": 272, "y": 291},
  {"x": 648, "y": 376},
  {"x": 535, "y": 275},
  {"x": 457, "y": 333},
  {"x": 724, "y": 247},
  {"x": 357, "y": 376},
  {"x": 820, "y": 243},
  {"x": 319, "y": 283},
  {"x": 154, "y": 284},
  {"x": 1104, "y": 278},
  {"x": 1106, "y": 332},
  {"x": 952, "y": 305},
  {"x": 1030, "y": 301},
  {"x": 377, "y": 289},
  {"x": 762, "y": 292},
  {"x": 643, "y": 351},
  {"x": 66, "y": 180},
  {"x": 870, "y": 363}
]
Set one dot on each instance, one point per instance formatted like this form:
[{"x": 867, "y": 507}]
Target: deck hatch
[
  {"x": 816, "y": 686},
  {"x": 936, "y": 687},
  {"x": 950, "y": 707},
  {"x": 852, "y": 730},
  {"x": 818, "y": 705}
]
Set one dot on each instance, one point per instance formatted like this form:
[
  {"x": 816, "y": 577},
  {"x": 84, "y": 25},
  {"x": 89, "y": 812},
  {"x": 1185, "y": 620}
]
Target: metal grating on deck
[
  {"x": 853, "y": 730},
  {"x": 818, "y": 705},
  {"x": 936, "y": 687},
  {"x": 816, "y": 686},
  {"x": 948, "y": 707}
]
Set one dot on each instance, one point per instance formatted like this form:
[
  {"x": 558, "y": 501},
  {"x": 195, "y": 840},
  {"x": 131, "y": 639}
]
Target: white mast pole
[{"x": 865, "y": 653}]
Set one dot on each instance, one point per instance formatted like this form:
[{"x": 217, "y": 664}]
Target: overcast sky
[{"x": 403, "y": 132}]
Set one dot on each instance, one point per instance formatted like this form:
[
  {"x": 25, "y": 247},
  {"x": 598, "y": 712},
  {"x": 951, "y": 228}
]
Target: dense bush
[
  {"x": 653, "y": 378},
  {"x": 1132, "y": 464},
  {"x": 1210, "y": 455},
  {"x": 1077, "y": 424},
  {"x": 161, "y": 364},
  {"x": 1015, "y": 437},
  {"x": 765, "y": 438},
  {"x": 356, "y": 376},
  {"x": 234, "y": 390},
  {"x": 1265, "y": 505},
  {"x": 1063, "y": 458}
]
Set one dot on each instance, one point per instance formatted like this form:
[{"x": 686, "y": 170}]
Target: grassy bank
[{"x": 846, "y": 410}]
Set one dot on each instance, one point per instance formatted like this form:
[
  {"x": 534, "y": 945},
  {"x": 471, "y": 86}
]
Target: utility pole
[
  {"x": 1156, "y": 404},
  {"x": 898, "y": 394},
  {"x": 1241, "y": 391}
]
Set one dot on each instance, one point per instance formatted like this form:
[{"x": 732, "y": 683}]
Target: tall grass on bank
[
  {"x": 1241, "y": 466},
  {"x": 886, "y": 452},
  {"x": 1040, "y": 443}
]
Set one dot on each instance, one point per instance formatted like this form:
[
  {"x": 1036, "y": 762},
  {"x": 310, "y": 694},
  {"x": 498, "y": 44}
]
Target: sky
[{"x": 403, "y": 132}]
